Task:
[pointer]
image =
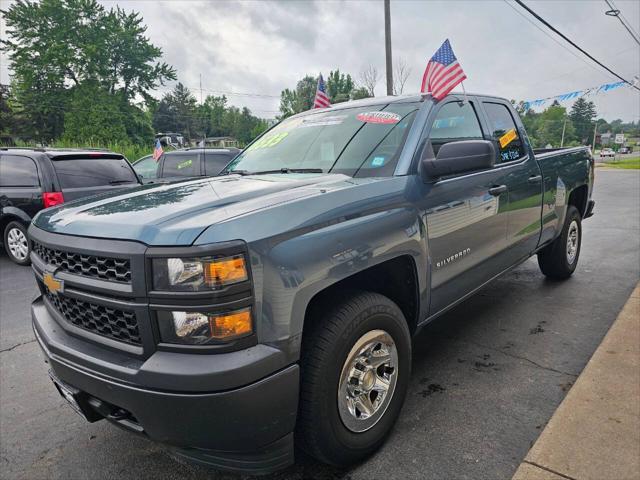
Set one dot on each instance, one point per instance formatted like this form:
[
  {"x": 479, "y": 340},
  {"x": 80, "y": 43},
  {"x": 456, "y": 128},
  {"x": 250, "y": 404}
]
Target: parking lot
[{"x": 486, "y": 378}]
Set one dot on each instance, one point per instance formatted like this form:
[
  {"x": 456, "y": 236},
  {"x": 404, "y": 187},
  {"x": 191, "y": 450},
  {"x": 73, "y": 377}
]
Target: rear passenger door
[
  {"x": 181, "y": 164},
  {"x": 19, "y": 185},
  {"x": 523, "y": 178},
  {"x": 466, "y": 222}
]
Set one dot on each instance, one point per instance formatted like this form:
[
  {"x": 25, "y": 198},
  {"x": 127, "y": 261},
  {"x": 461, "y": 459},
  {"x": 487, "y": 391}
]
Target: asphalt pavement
[{"x": 486, "y": 377}]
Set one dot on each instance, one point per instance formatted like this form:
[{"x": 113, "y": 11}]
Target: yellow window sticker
[
  {"x": 185, "y": 164},
  {"x": 508, "y": 137},
  {"x": 269, "y": 141}
]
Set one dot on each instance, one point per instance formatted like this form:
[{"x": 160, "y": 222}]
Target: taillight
[{"x": 52, "y": 198}]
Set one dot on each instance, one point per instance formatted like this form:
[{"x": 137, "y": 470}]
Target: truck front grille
[
  {"x": 120, "y": 325},
  {"x": 104, "y": 268}
]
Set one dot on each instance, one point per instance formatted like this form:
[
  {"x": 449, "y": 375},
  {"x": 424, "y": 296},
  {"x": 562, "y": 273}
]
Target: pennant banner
[{"x": 607, "y": 87}]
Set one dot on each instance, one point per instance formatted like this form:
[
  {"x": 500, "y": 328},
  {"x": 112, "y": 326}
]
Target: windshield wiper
[
  {"x": 236, "y": 172},
  {"x": 118, "y": 182},
  {"x": 266, "y": 172},
  {"x": 290, "y": 170}
]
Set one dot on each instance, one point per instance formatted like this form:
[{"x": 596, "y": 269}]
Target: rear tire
[
  {"x": 16, "y": 243},
  {"x": 355, "y": 369},
  {"x": 560, "y": 259}
]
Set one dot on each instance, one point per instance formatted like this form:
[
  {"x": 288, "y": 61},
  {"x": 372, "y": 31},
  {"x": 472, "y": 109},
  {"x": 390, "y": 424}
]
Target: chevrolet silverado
[{"x": 236, "y": 316}]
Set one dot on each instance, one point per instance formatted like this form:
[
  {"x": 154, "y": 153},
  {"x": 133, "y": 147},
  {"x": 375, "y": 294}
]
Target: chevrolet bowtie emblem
[{"x": 53, "y": 285}]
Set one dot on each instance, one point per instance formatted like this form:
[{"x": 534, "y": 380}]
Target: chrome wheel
[
  {"x": 18, "y": 244},
  {"x": 367, "y": 381},
  {"x": 573, "y": 240}
]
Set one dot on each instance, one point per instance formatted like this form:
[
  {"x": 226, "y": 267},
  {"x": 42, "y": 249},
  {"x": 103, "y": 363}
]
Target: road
[{"x": 486, "y": 376}]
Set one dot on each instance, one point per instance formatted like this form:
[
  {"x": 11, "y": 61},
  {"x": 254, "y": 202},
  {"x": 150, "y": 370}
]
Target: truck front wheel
[
  {"x": 355, "y": 367},
  {"x": 560, "y": 259}
]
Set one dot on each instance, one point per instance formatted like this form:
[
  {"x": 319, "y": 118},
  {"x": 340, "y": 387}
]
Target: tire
[
  {"x": 560, "y": 259},
  {"x": 329, "y": 350},
  {"x": 16, "y": 243}
]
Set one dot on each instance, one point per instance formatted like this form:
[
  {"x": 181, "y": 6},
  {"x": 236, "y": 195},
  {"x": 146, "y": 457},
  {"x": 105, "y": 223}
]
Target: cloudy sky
[{"x": 253, "y": 50}]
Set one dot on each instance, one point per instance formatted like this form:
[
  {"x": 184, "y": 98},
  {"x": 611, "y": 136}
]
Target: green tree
[
  {"x": 94, "y": 116},
  {"x": 300, "y": 99},
  {"x": 582, "y": 115},
  {"x": 56, "y": 46},
  {"x": 550, "y": 125},
  {"x": 339, "y": 86},
  {"x": 176, "y": 112},
  {"x": 360, "y": 92}
]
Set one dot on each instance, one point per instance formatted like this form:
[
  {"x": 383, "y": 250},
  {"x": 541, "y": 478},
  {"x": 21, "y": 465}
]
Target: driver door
[{"x": 465, "y": 214}]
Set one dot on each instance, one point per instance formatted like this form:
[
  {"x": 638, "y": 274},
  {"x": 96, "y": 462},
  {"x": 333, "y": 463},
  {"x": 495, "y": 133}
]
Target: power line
[
  {"x": 589, "y": 64},
  {"x": 572, "y": 72},
  {"x": 567, "y": 39},
  {"x": 625, "y": 19},
  {"x": 616, "y": 12}
]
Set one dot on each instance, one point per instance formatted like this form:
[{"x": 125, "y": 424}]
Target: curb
[{"x": 595, "y": 432}]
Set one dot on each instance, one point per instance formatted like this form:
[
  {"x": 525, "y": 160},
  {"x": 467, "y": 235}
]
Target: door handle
[
  {"x": 495, "y": 191},
  {"x": 535, "y": 178}
]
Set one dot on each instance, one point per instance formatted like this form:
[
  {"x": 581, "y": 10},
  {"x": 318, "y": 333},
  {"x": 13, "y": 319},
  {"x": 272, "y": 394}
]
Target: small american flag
[
  {"x": 157, "y": 151},
  {"x": 321, "y": 100},
  {"x": 443, "y": 72}
]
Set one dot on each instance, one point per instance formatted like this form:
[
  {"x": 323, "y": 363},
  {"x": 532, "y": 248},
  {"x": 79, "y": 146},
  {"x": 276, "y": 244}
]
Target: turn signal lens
[
  {"x": 224, "y": 271},
  {"x": 231, "y": 325},
  {"x": 199, "y": 328}
]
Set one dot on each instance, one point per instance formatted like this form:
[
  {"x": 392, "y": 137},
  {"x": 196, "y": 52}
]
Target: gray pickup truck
[{"x": 233, "y": 317}]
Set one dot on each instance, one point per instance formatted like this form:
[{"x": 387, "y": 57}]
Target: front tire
[
  {"x": 16, "y": 243},
  {"x": 560, "y": 259},
  {"x": 355, "y": 369}
]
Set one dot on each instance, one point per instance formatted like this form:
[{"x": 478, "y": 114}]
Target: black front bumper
[{"x": 246, "y": 429}]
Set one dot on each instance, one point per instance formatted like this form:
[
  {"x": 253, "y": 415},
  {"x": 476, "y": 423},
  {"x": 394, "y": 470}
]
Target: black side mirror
[{"x": 458, "y": 157}]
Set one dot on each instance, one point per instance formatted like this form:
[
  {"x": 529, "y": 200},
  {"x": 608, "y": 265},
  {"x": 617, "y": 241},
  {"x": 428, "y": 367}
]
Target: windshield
[{"x": 363, "y": 142}]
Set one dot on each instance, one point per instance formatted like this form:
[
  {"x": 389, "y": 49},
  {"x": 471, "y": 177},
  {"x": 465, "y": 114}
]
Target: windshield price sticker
[
  {"x": 323, "y": 121},
  {"x": 385, "y": 118},
  {"x": 508, "y": 137},
  {"x": 268, "y": 141}
]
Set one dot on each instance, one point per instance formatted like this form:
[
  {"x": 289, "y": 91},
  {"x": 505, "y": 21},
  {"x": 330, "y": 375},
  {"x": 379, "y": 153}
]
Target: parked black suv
[
  {"x": 33, "y": 179},
  {"x": 185, "y": 163}
]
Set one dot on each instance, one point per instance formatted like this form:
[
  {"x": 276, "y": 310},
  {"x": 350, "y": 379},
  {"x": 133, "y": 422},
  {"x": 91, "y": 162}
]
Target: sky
[{"x": 253, "y": 50}]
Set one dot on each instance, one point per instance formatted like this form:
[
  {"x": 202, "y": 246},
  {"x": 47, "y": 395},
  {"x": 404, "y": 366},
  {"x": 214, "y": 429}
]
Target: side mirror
[{"x": 458, "y": 157}]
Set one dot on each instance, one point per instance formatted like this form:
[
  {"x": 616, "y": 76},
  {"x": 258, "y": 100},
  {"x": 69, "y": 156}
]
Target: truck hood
[{"x": 176, "y": 213}]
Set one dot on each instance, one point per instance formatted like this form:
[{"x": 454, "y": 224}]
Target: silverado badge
[{"x": 53, "y": 285}]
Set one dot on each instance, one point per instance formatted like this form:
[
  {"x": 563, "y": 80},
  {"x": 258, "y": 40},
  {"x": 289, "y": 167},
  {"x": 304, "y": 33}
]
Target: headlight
[
  {"x": 196, "y": 328},
  {"x": 198, "y": 274}
]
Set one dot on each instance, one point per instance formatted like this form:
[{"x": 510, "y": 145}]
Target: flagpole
[{"x": 464, "y": 92}]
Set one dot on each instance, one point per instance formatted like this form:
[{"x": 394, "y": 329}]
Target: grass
[{"x": 632, "y": 163}]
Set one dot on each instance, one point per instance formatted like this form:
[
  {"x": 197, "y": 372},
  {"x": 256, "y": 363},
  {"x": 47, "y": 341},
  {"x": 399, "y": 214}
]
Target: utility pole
[
  {"x": 595, "y": 129},
  {"x": 387, "y": 45},
  {"x": 564, "y": 125}
]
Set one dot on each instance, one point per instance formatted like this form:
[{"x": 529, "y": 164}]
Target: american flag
[
  {"x": 157, "y": 151},
  {"x": 443, "y": 72},
  {"x": 321, "y": 100}
]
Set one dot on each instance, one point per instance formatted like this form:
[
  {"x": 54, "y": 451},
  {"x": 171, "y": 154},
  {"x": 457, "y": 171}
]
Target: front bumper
[{"x": 248, "y": 428}]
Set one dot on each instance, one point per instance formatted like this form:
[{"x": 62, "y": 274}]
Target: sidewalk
[{"x": 595, "y": 432}]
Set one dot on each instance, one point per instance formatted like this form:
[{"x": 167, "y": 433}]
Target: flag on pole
[
  {"x": 321, "y": 100},
  {"x": 157, "y": 151},
  {"x": 443, "y": 72}
]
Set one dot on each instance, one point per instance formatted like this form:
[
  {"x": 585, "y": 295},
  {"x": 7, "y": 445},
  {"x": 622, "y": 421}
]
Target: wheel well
[
  {"x": 578, "y": 198},
  {"x": 396, "y": 279}
]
